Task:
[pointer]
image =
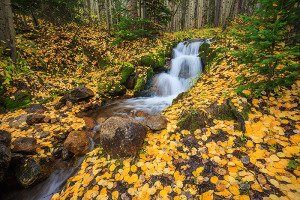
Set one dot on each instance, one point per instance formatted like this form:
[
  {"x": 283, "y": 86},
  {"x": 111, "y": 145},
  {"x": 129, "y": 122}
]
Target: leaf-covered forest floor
[{"x": 219, "y": 143}]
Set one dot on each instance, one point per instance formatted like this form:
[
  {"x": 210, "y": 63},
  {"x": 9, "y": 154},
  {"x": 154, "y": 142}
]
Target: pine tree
[{"x": 266, "y": 34}]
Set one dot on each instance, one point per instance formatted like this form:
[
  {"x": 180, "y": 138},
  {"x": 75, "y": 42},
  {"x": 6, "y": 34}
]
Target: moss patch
[
  {"x": 207, "y": 55},
  {"x": 126, "y": 71},
  {"x": 22, "y": 100}
]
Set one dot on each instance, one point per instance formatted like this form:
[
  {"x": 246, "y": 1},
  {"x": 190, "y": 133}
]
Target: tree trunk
[
  {"x": 98, "y": 13},
  {"x": 133, "y": 11},
  {"x": 204, "y": 13},
  {"x": 107, "y": 16},
  {"x": 217, "y": 13},
  {"x": 7, "y": 31},
  {"x": 196, "y": 14}
]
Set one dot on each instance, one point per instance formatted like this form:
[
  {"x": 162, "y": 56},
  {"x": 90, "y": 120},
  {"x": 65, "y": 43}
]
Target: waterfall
[{"x": 185, "y": 65}]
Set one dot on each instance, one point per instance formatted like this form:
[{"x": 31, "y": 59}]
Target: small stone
[
  {"x": 34, "y": 119},
  {"x": 244, "y": 186},
  {"x": 156, "y": 122},
  {"x": 36, "y": 108},
  {"x": 43, "y": 134},
  {"x": 89, "y": 123},
  {"x": 245, "y": 160},
  {"x": 69, "y": 104},
  {"x": 18, "y": 121},
  {"x": 77, "y": 142}
]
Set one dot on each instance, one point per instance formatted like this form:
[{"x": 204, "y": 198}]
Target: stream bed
[{"x": 185, "y": 65}]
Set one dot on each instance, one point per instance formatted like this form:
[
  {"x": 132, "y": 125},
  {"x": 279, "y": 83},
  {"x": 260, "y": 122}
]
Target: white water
[{"x": 185, "y": 66}]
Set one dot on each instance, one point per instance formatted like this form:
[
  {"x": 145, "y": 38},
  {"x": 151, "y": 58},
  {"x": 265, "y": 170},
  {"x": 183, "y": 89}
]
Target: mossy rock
[
  {"x": 126, "y": 71},
  {"x": 207, "y": 55},
  {"x": 139, "y": 86},
  {"x": 117, "y": 90},
  {"x": 156, "y": 61},
  {"x": 197, "y": 119},
  {"x": 142, "y": 81},
  {"x": 111, "y": 89},
  {"x": 22, "y": 100}
]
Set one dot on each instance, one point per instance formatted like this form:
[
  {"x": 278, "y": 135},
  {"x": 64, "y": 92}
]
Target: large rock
[
  {"x": 18, "y": 121},
  {"x": 121, "y": 137},
  {"x": 29, "y": 172},
  {"x": 36, "y": 108},
  {"x": 5, "y": 153},
  {"x": 5, "y": 138},
  {"x": 35, "y": 119},
  {"x": 78, "y": 142},
  {"x": 156, "y": 122},
  {"x": 80, "y": 93},
  {"x": 24, "y": 145},
  {"x": 76, "y": 95}
]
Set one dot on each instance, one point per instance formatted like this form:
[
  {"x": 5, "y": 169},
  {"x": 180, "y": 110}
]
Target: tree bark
[
  {"x": 133, "y": 11},
  {"x": 196, "y": 14},
  {"x": 217, "y": 13},
  {"x": 204, "y": 13},
  {"x": 107, "y": 16},
  {"x": 7, "y": 31}
]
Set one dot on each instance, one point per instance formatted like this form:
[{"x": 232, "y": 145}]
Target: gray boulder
[
  {"x": 35, "y": 119},
  {"x": 121, "y": 137},
  {"x": 18, "y": 121},
  {"x": 36, "y": 108},
  {"x": 156, "y": 122}
]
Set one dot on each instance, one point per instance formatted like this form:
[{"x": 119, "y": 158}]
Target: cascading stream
[{"x": 185, "y": 66}]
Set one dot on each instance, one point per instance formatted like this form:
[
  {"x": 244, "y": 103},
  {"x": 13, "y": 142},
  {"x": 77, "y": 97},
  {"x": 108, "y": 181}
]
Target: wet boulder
[
  {"x": 5, "y": 153},
  {"x": 156, "y": 122},
  {"x": 30, "y": 172},
  {"x": 77, "y": 142},
  {"x": 121, "y": 137},
  {"x": 36, "y": 108},
  {"x": 18, "y": 121},
  {"x": 35, "y": 119},
  {"x": 25, "y": 145}
]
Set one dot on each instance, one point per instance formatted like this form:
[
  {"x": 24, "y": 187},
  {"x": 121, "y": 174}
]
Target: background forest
[{"x": 232, "y": 132}]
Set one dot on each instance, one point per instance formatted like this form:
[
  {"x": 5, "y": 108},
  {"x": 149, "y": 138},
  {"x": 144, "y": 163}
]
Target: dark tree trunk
[
  {"x": 217, "y": 13},
  {"x": 196, "y": 14},
  {"x": 7, "y": 31},
  {"x": 35, "y": 19}
]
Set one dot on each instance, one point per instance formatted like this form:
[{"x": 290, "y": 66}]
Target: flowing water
[{"x": 185, "y": 66}]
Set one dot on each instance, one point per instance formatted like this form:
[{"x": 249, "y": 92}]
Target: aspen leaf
[{"x": 214, "y": 179}]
